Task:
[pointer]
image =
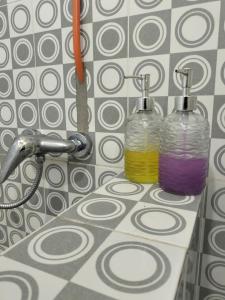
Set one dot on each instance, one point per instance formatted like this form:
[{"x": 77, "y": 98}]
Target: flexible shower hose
[{"x": 40, "y": 160}]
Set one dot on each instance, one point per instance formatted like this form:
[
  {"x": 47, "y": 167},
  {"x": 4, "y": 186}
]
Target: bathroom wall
[{"x": 37, "y": 90}]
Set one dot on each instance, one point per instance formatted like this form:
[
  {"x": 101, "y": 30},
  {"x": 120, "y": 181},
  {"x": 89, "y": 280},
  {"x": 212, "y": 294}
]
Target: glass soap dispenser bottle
[
  {"x": 142, "y": 138},
  {"x": 184, "y": 145}
]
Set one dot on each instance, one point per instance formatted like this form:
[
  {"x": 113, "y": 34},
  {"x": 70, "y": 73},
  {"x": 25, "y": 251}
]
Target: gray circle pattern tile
[
  {"x": 105, "y": 11},
  {"x": 56, "y": 180},
  {"x": 52, "y": 114},
  {"x": 114, "y": 188},
  {"x": 33, "y": 217},
  {"x": 105, "y": 176},
  {"x": 213, "y": 274},
  {"x": 81, "y": 180},
  {"x": 179, "y": 221},
  {"x": 23, "y": 52},
  {"x": 145, "y": 4},
  {"x": 25, "y": 170},
  {"x": 48, "y": 48},
  {"x": 107, "y": 274},
  {"x": 3, "y": 24},
  {"x": 45, "y": 87},
  {"x": 4, "y": 48},
  {"x": 15, "y": 218},
  {"x": 104, "y": 155},
  {"x": 46, "y": 249},
  {"x": 158, "y": 195},
  {"x": 110, "y": 39},
  {"x": 36, "y": 201},
  {"x": 218, "y": 160},
  {"x": 196, "y": 12},
  {"x": 5, "y": 85},
  {"x": 15, "y": 236},
  {"x": 43, "y": 23},
  {"x": 158, "y": 30},
  {"x": 3, "y": 235},
  {"x": 201, "y": 69},
  {"x": 216, "y": 239},
  {"x": 56, "y": 203},
  {"x": 26, "y": 12},
  {"x": 27, "y": 285},
  {"x": 27, "y": 77},
  {"x": 100, "y": 209},
  {"x": 152, "y": 64},
  {"x": 217, "y": 202},
  {"x": 28, "y": 114},
  {"x": 120, "y": 81},
  {"x": 12, "y": 192},
  {"x": 11, "y": 114}
]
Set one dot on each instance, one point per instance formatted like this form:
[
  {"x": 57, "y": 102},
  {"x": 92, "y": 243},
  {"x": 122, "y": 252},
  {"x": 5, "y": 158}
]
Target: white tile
[
  {"x": 21, "y": 18},
  {"x": 220, "y": 73},
  {"x": 215, "y": 204},
  {"x": 109, "y": 9},
  {"x": 109, "y": 149},
  {"x": 122, "y": 268},
  {"x": 123, "y": 188},
  {"x": 48, "y": 15},
  {"x": 217, "y": 159},
  {"x": 195, "y": 27},
  {"x": 142, "y": 6},
  {"x": 213, "y": 273},
  {"x": 109, "y": 80},
  {"x": 155, "y": 222},
  {"x": 40, "y": 285}
]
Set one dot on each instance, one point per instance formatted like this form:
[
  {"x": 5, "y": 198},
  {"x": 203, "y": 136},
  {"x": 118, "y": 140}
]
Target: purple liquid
[{"x": 182, "y": 176}]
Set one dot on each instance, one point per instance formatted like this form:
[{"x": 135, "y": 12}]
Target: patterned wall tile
[
  {"x": 215, "y": 209},
  {"x": 6, "y": 57},
  {"x": 81, "y": 178},
  {"x": 109, "y": 149},
  {"x": 158, "y": 67},
  {"x": 213, "y": 272},
  {"x": 217, "y": 162},
  {"x": 47, "y": 15},
  {"x": 21, "y": 18},
  {"x": 204, "y": 68},
  {"x": 109, "y": 78},
  {"x": 111, "y": 114},
  {"x": 184, "y": 21},
  {"x": 140, "y": 6},
  {"x": 158, "y": 24},
  {"x": 111, "y": 39}
]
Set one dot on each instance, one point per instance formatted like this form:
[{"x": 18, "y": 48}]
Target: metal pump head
[
  {"x": 186, "y": 102},
  {"x": 145, "y": 102}
]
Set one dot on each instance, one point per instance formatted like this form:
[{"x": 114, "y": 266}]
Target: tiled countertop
[{"x": 124, "y": 241}]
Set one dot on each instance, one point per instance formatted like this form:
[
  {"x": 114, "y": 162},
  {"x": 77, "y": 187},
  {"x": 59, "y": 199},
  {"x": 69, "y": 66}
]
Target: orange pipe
[{"x": 76, "y": 40}]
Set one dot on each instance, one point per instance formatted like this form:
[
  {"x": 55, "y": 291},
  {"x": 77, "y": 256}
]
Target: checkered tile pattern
[{"x": 37, "y": 90}]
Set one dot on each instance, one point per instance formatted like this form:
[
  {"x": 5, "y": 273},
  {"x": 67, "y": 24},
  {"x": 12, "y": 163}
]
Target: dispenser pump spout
[
  {"x": 145, "y": 102},
  {"x": 186, "y": 102}
]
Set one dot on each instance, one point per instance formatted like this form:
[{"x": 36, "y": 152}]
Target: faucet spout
[{"x": 21, "y": 148}]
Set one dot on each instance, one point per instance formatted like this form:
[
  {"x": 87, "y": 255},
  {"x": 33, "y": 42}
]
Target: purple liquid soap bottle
[{"x": 184, "y": 144}]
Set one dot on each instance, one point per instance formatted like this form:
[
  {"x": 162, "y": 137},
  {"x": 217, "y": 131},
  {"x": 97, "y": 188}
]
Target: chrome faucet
[{"x": 30, "y": 143}]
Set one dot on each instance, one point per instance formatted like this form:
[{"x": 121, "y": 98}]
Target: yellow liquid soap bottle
[{"x": 141, "y": 151}]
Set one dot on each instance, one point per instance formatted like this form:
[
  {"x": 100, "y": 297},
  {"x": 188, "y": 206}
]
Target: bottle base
[{"x": 180, "y": 193}]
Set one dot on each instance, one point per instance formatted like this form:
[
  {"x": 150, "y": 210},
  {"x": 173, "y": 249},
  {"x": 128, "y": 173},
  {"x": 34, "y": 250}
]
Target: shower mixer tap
[{"x": 30, "y": 143}]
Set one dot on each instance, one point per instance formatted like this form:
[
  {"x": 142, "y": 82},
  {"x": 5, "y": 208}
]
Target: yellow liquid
[{"x": 142, "y": 166}]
